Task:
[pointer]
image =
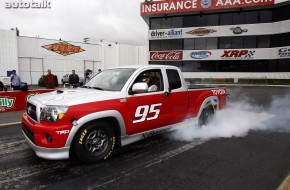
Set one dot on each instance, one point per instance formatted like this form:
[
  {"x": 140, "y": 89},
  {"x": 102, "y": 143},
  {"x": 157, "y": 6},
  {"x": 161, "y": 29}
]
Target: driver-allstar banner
[{"x": 180, "y": 6}]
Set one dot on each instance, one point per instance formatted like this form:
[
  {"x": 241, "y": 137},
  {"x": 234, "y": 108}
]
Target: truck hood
[{"x": 75, "y": 96}]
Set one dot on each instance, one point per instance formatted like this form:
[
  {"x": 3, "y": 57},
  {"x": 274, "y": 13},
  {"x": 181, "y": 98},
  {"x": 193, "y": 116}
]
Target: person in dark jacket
[
  {"x": 1, "y": 86},
  {"x": 49, "y": 80},
  {"x": 74, "y": 79}
]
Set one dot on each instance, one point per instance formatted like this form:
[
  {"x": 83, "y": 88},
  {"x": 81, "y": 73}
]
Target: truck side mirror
[{"x": 140, "y": 87}]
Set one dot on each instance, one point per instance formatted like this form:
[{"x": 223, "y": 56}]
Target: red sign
[
  {"x": 201, "y": 31},
  {"x": 180, "y": 6},
  {"x": 166, "y": 55},
  {"x": 63, "y": 48},
  {"x": 229, "y": 54},
  {"x": 16, "y": 100}
]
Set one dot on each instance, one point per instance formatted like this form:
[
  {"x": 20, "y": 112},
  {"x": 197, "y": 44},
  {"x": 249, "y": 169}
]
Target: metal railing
[{"x": 242, "y": 81}]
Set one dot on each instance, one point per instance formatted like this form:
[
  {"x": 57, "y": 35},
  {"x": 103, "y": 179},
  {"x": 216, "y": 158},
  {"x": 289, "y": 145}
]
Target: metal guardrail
[{"x": 250, "y": 81}]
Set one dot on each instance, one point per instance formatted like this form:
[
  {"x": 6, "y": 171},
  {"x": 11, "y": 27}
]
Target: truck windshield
[{"x": 111, "y": 79}]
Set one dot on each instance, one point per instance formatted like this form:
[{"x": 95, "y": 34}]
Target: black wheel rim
[
  {"x": 206, "y": 116},
  {"x": 97, "y": 142}
]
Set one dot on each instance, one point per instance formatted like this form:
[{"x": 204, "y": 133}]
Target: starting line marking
[{"x": 7, "y": 124}]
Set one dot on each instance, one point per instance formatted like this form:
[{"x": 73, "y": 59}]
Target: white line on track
[{"x": 7, "y": 124}]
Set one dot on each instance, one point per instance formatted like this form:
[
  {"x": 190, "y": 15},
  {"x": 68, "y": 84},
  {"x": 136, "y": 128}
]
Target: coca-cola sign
[{"x": 166, "y": 55}]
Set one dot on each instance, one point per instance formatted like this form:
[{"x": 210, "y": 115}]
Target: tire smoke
[{"x": 237, "y": 120}]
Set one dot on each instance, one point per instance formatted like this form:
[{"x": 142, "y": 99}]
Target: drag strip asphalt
[{"x": 259, "y": 160}]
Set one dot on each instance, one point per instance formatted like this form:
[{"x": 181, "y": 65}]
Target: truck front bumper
[{"x": 48, "y": 153}]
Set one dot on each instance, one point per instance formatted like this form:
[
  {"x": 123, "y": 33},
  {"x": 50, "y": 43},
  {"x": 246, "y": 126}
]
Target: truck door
[
  {"x": 176, "y": 105},
  {"x": 146, "y": 110}
]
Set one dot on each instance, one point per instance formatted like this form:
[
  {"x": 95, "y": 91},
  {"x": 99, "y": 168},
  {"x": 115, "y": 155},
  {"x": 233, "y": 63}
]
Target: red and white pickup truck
[{"x": 117, "y": 107}]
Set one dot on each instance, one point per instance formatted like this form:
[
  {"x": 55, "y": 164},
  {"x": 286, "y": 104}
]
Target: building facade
[
  {"x": 220, "y": 38},
  {"x": 31, "y": 57}
]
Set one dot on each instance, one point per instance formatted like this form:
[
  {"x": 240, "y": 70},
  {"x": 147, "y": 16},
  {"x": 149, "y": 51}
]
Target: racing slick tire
[
  {"x": 206, "y": 115},
  {"x": 94, "y": 142}
]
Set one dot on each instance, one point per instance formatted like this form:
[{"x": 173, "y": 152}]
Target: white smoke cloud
[{"x": 237, "y": 120}]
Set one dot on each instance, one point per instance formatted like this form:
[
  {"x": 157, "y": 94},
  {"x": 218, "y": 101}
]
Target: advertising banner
[
  {"x": 166, "y": 55},
  {"x": 61, "y": 48},
  {"x": 221, "y": 54},
  {"x": 221, "y": 31},
  {"x": 16, "y": 100},
  {"x": 183, "y": 6}
]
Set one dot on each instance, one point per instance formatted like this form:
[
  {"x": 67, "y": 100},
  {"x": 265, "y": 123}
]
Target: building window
[
  {"x": 225, "y": 43},
  {"x": 251, "y": 17},
  {"x": 166, "y": 23},
  {"x": 200, "y": 43},
  {"x": 250, "y": 41},
  {"x": 239, "y": 18},
  {"x": 263, "y": 41},
  {"x": 176, "y": 44},
  {"x": 279, "y": 40},
  {"x": 285, "y": 39},
  {"x": 199, "y": 20},
  {"x": 189, "y": 44},
  {"x": 265, "y": 16},
  {"x": 177, "y": 22},
  {"x": 281, "y": 13},
  {"x": 237, "y": 42},
  {"x": 188, "y": 21},
  {"x": 154, "y": 45},
  {"x": 165, "y": 45},
  {"x": 155, "y": 23},
  {"x": 284, "y": 65},
  {"x": 226, "y": 19},
  {"x": 212, "y": 20},
  {"x": 211, "y": 43}
]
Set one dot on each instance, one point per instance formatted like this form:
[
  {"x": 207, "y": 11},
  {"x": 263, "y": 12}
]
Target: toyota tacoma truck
[{"x": 117, "y": 107}]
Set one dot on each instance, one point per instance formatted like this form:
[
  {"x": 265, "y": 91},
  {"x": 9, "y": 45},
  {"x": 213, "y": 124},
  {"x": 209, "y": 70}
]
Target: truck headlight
[{"x": 53, "y": 113}]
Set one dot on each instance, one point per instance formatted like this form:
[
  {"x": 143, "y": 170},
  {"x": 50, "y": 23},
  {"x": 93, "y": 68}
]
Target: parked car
[
  {"x": 65, "y": 79},
  {"x": 115, "y": 108}
]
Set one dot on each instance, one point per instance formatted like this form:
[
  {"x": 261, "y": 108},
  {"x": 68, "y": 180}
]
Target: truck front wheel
[
  {"x": 206, "y": 115},
  {"x": 94, "y": 142}
]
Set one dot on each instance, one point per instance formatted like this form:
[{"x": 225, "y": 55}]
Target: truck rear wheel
[
  {"x": 206, "y": 115},
  {"x": 94, "y": 142}
]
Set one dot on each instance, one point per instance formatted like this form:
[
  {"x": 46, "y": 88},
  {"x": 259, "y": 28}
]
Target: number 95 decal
[{"x": 143, "y": 111}]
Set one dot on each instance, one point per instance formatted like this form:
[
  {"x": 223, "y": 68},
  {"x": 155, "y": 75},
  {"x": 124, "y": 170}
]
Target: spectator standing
[
  {"x": 87, "y": 78},
  {"x": 49, "y": 80},
  {"x": 74, "y": 79},
  {"x": 1, "y": 86},
  {"x": 90, "y": 74},
  {"x": 15, "y": 81}
]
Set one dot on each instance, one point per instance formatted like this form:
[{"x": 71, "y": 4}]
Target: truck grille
[
  {"x": 31, "y": 111},
  {"x": 28, "y": 133}
]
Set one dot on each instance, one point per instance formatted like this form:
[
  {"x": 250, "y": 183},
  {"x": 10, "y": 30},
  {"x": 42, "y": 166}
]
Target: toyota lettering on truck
[{"x": 117, "y": 107}]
